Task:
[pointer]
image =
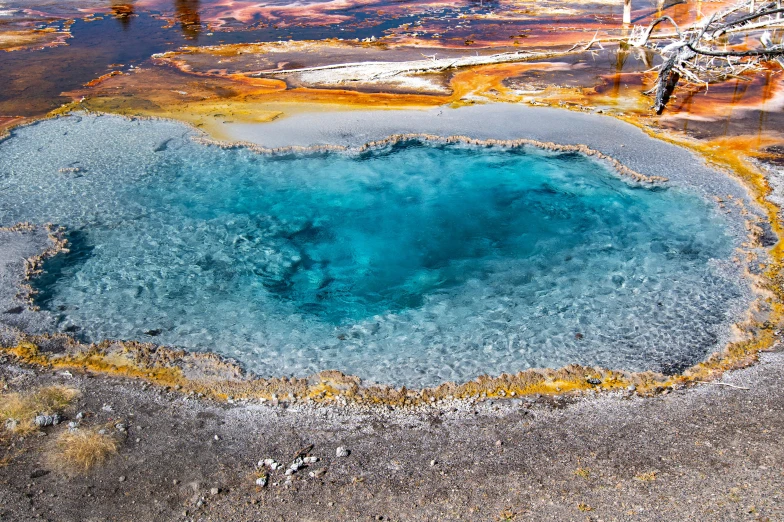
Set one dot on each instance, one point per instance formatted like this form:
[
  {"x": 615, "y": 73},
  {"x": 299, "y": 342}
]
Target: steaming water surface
[{"x": 412, "y": 265}]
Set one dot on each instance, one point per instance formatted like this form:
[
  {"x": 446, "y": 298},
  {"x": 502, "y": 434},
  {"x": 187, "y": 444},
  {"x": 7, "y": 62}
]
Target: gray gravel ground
[{"x": 706, "y": 453}]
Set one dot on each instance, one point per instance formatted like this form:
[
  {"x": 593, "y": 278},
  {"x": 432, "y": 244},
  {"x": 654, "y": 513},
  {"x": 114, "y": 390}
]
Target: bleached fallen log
[{"x": 377, "y": 70}]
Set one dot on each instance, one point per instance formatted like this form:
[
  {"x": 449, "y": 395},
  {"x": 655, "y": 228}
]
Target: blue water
[{"x": 411, "y": 265}]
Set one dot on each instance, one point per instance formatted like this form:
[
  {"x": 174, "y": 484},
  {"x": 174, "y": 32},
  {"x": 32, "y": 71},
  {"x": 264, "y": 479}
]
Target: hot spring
[{"x": 414, "y": 264}]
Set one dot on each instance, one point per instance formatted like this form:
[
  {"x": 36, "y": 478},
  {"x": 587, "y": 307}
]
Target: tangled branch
[{"x": 707, "y": 51}]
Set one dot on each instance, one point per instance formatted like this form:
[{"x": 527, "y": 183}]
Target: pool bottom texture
[{"x": 411, "y": 265}]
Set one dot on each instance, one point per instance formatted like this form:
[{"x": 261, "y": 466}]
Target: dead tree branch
[{"x": 708, "y": 50}]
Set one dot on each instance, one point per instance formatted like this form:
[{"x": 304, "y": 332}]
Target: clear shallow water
[{"x": 412, "y": 265}]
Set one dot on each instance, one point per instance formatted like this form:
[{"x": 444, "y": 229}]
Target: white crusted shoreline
[{"x": 500, "y": 121}]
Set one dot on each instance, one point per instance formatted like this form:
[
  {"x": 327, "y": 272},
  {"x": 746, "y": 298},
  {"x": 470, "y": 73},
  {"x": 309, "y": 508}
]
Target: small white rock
[
  {"x": 261, "y": 481},
  {"x": 43, "y": 420},
  {"x": 341, "y": 452}
]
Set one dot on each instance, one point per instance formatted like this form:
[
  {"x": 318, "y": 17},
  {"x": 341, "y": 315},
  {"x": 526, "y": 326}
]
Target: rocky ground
[{"x": 711, "y": 452}]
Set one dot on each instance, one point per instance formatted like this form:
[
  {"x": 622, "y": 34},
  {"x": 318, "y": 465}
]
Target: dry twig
[{"x": 723, "y": 384}]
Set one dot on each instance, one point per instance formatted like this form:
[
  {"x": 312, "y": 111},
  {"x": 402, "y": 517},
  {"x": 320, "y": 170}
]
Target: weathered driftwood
[
  {"x": 372, "y": 71},
  {"x": 706, "y": 51}
]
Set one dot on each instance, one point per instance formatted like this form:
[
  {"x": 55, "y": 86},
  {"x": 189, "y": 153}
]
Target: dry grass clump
[
  {"x": 647, "y": 477},
  {"x": 583, "y": 472},
  {"x": 77, "y": 451},
  {"x": 18, "y": 410}
]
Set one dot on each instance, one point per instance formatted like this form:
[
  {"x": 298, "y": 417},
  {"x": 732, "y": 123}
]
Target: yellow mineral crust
[{"x": 254, "y": 83}]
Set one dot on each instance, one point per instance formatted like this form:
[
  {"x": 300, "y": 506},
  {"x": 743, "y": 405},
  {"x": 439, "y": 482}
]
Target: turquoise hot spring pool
[{"x": 413, "y": 264}]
